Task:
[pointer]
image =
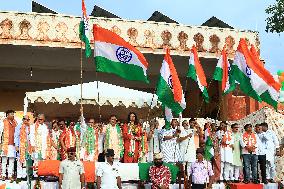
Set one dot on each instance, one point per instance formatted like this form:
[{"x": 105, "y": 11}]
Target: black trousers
[
  {"x": 198, "y": 186},
  {"x": 262, "y": 166}
]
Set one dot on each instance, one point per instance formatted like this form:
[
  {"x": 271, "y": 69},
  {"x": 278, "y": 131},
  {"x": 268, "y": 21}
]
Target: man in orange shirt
[{"x": 7, "y": 130}]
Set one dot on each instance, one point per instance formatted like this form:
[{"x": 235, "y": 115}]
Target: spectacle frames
[
  {"x": 26, "y": 119},
  {"x": 40, "y": 119}
]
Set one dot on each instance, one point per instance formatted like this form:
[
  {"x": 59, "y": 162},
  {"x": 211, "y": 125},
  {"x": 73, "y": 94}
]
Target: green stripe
[
  {"x": 218, "y": 74},
  {"x": 244, "y": 82},
  {"x": 207, "y": 151},
  {"x": 282, "y": 88},
  {"x": 124, "y": 70},
  {"x": 85, "y": 39},
  {"x": 192, "y": 72},
  {"x": 205, "y": 95},
  {"x": 267, "y": 98},
  {"x": 166, "y": 96}
]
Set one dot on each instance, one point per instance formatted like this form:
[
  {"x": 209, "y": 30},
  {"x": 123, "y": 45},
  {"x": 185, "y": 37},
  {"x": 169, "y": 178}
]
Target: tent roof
[
  {"x": 215, "y": 22},
  {"x": 108, "y": 93},
  {"x": 65, "y": 102},
  {"x": 100, "y": 12},
  {"x": 36, "y": 7},
  {"x": 160, "y": 17}
]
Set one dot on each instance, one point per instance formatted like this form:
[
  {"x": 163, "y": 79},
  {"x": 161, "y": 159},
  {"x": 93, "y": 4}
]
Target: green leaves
[{"x": 275, "y": 21}]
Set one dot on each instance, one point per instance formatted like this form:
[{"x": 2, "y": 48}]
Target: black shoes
[{"x": 265, "y": 182}]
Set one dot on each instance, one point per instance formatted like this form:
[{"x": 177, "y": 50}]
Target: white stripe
[
  {"x": 257, "y": 83},
  {"x": 86, "y": 27},
  {"x": 192, "y": 62},
  {"x": 168, "y": 114},
  {"x": 191, "y": 59},
  {"x": 166, "y": 73},
  {"x": 275, "y": 95},
  {"x": 220, "y": 62},
  {"x": 281, "y": 98},
  {"x": 108, "y": 51}
]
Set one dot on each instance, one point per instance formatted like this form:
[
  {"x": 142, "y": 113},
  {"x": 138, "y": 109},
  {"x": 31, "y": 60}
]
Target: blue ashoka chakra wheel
[
  {"x": 170, "y": 81},
  {"x": 123, "y": 54},
  {"x": 248, "y": 71}
]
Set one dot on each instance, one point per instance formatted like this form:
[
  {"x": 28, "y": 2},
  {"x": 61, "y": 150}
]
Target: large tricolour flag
[
  {"x": 84, "y": 33},
  {"x": 221, "y": 72},
  {"x": 195, "y": 72},
  {"x": 169, "y": 90},
  {"x": 253, "y": 78},
  {"x": 114, "y": 55}
]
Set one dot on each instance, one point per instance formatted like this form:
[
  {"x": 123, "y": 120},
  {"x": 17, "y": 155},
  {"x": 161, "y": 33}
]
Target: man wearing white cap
[{"x": 160, "y": 174}]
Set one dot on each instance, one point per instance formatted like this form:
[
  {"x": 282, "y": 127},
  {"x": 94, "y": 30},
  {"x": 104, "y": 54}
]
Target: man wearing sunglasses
[
  {"x": 23, "y": 147},
  {"x": 7, "y": 131},
  {"x": 108, "y": 175},
  {"x": 71, "y": 172}
]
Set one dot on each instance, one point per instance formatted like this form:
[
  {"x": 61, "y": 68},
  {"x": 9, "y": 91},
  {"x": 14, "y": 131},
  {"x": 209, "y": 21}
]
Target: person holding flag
[{"x": 84, "y": 31}]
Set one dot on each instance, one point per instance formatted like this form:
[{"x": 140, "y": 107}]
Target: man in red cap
[{"x": 71, "y": 172}]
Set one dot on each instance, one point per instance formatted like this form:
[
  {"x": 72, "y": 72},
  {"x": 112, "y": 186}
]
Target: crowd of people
[{"x": 208, "y": 155}]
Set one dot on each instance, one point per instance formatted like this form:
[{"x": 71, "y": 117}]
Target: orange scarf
[
  {"x": 227, "y": 137},
  {"x": 24, "y": 143},
  {"x": 249, "y": 139},
  {"x": 5, "y": 140}
]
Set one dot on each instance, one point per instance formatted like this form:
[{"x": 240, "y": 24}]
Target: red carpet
[{"x": 245, "y": 186}]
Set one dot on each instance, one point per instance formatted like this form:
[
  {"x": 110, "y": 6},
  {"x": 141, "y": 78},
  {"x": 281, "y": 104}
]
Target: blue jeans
[{"x": 250, "y": 165}]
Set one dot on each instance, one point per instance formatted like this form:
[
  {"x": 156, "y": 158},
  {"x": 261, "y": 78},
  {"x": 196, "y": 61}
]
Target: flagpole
[
  {"x": 199, "y": 110},
  {"x": 152, "y": 100},
  {"x": 98, "y": 97},
  {"x": 81, "y": 78}
]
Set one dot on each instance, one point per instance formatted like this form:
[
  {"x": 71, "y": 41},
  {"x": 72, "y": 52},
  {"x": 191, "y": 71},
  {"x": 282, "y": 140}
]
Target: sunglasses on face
[
  {"x": 71, "y": 153},
  {"x": 26, "y": 119},
  {"x": 40, "y": 119}
]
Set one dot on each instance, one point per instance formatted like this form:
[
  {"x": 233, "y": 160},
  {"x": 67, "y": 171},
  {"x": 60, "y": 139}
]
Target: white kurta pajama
[
  {"x": 227, "y": 156},
  {"x": 153, "y": 144},
  {"x": 237, "y": 162},
  {"x": 187, "y": 146},
  {"x": 38, "y": 139},
  {"x": 271, "y": 144},
  {"x": 170, "y": 148}
]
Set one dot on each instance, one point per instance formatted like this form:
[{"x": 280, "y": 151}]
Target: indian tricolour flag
[
  {"x": 169, "y": 90},
  {"x": 209, "y": 150},
  {"x": 254, "y": 80},
  {"x": 195, "y": 72},
  {"x": 221, "y": 72},
  {"x": 114, "y": 55},
  {"x": 84, "y": 31}
]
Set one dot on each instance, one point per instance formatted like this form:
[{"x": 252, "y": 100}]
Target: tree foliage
[{"x": 275, "y": 21}]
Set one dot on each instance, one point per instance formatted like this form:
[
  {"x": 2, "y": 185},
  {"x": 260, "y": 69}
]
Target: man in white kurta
[
  {"x": 272, "y": 145},
  {"x": 153, "y": 136},
  {"x": 71, "y": 172},
  {"x": 237, "y": 162},
  {"x": 226, "y": 153},
  {"x": 38, "y": 138},
  {"x": 170, "y": 146},
  {"x": 187, "y": 145}
]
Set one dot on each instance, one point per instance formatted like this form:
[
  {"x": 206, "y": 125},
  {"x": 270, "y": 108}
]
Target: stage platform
[{"x": 54, "y": 185}]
